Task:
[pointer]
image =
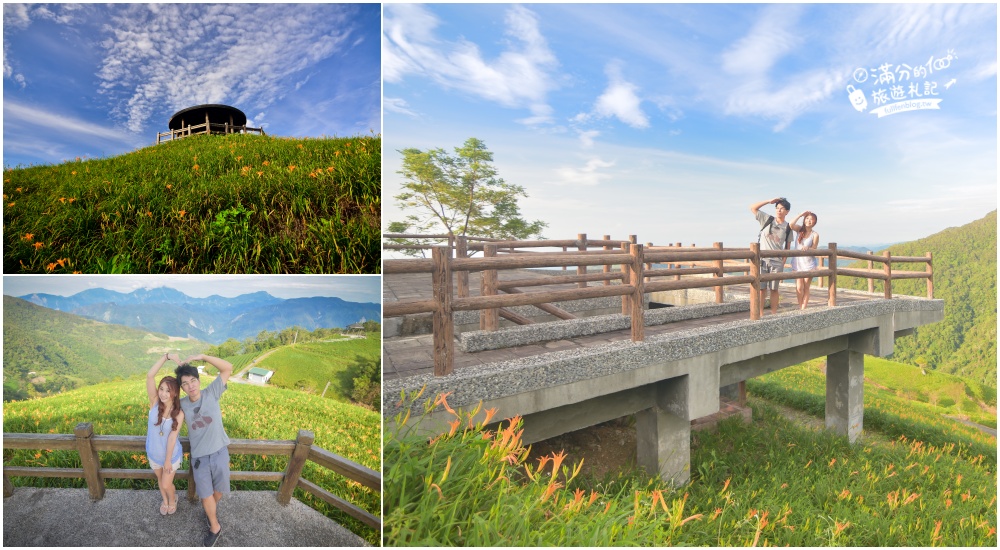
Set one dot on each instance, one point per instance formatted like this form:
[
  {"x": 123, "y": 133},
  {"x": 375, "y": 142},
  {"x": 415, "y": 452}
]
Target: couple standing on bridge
[
  {"x": 209, "y": 442},
  {"x": 776, "y": 234}
]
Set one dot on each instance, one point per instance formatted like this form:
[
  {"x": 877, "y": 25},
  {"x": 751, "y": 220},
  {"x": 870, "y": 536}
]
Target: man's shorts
[
  {"x": 771, "y": 266},
  {"x": 211, "y": 473}
]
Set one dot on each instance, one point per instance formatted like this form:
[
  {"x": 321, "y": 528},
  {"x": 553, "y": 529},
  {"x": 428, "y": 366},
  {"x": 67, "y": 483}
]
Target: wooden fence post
[
  {"x": 489, "y": 319},
  {"x": 303, "y": 442},
  {"x": 718, "y": 265},
  {"x": 89, "y": 459},
  {"x": 822, "y": 265},
  {"x": 8, "y": 487},
  {"x": 635, "y": 279},
  {"x": 581, "y": 245},
  {"x": 442, "y": 321},
  {"x": 888, "y": 275},
  {"x": 564, "y": 250},
  {"x": 871, "y": 281},
  {"x": 625, "y": 279},
  {"x": 930, "y": 276},
  {"x": 678, "y": 277},
  {"x": 649, "y": 265},
  {"x": 755, "y": 303},
  {"x": 462, "y": 251},
  {"x": 832, "y": 286},
  {"x": 607, "y": 267}
]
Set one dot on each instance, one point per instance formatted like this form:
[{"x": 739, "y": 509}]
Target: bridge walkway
[
  {"x": 414, "y": 355},
  {"x": 124, "y": 517}
]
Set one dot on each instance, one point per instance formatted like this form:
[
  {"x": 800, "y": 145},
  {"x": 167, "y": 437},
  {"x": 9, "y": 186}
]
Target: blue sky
[
  {"x": 668, "y": 121},
  {"x": 352, "y": 288},
  {"x": 99, "y": 80}
]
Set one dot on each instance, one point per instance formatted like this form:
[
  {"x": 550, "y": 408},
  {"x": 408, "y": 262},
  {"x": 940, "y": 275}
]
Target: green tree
[{"x": 461, "y": 194}]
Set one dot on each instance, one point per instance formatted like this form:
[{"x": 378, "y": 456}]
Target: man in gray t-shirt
[
  {"x": 775, "y": 234},
  {"x": 209, "y": 442}
]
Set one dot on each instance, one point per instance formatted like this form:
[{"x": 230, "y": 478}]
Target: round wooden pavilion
[{"x": 210, "y": 118}]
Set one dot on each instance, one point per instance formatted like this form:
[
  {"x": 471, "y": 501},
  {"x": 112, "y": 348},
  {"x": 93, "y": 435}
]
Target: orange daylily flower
[
  {"x": 28, "y": 236},
  {"x": 182, "y": 212},
  {"x": 39, "y": 245}
]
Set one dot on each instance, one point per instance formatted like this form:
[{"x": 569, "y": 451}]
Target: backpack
[{"x": 767, "y": 227}]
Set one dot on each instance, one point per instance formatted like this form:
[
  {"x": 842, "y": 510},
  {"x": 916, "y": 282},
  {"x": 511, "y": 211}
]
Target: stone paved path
[{"x": 67, "y": 517}]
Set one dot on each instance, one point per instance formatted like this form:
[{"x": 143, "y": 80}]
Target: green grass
[
  {"x": 311, "y": 365},
  {"x": 248, "y": 412},
  {"x": 203, "y": 204},
  {"x": 914, "y": 479}
]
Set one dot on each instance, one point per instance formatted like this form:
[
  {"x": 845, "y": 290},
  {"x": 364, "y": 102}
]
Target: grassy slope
[
  {"x": 203, "y": 204},
  {"x": 317, "y": 363},
  {"x": 248, "y": 413},
  {"x": 73, "y": 351},
  {"x": 965, "y": 276},
  {"x": 915, "y": 479}
]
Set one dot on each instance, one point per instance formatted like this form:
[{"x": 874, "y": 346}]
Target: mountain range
[{"x": 213, "y": 319}]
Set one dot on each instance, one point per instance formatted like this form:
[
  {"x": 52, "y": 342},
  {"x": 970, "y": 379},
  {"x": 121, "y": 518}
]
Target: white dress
[{"x": 805, "y": 263}]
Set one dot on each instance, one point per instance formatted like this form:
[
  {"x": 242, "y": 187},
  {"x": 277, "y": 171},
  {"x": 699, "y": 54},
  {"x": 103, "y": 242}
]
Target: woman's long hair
[
  {"x": 175, "y": 390},
  {"x": 803, "y": 233}
]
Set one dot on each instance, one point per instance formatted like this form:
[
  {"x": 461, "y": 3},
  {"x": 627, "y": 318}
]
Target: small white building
[{"x": 260, "y": 376}]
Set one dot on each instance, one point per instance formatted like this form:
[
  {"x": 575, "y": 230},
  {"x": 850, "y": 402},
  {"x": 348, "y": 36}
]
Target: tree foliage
[
  {"x": 965, "y": 277},
  {"x": 460, "y": 194}
]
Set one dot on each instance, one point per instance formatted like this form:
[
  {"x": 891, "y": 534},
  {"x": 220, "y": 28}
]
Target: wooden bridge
[{"x": 585, "y": 361}]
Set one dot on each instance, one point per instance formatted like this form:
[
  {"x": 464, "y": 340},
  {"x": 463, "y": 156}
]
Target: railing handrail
[
  {"x": 636, "y": 278},
  {"x": 300, "y": 450}
]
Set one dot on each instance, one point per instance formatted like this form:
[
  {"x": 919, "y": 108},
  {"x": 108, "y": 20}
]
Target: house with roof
[{"x": 259, "y": 375}]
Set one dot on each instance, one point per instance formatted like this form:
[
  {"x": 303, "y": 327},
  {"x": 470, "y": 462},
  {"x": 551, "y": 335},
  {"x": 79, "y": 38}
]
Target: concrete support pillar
[
  {"x": 730, "y": 393},
  {"x": 664, "y": 444},
  {"x": 845, "y": 384}
]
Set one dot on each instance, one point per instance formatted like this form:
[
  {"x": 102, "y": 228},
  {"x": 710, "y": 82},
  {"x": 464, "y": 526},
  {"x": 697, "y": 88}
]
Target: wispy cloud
[
  {"x": 520, "y": 77},
  {"x": 18, "y": 114},
  {"x": 170, "y": 56},
  {"x": 588, "y": 175},
  {"x": 397, "y": 105}
]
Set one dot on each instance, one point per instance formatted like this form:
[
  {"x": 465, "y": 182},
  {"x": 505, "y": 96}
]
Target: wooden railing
[
  {"x": 714, "y": 267},
  {"x": 206, "y": 128},
  {"x": 88, "y": 445}
]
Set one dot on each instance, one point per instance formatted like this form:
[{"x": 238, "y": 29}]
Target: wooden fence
[
  {"x": 635, "y": 277},
  {"x": 206, "y": 128},
  {"x": 84, "y": 441}
]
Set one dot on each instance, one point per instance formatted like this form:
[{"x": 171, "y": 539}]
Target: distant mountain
[
  {"x": 213, "y": 319},
  {"x": 47, "y": 351},
  {"x": 965, "y": 277}
]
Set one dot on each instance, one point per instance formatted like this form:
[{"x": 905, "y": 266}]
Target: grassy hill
[
  {"x": 965, "y": 277},
  {"x": 309, "y": 366},
  {"x": 203, "y": 204},
  {"x": 248, "y": 413},
  {"x": 915, "y": 478},
  {"x": 47, "y": 351}
]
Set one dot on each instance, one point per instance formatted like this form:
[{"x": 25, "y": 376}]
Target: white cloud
[
  {"x": 771, "y": 37},
  {"x": 587, "y": 175},
  {"x": 18, "y": 114},
  {"x": 619, "y": 100},
  {"x": 172, "y": 56},
  {"x": 587, "y": 138},
  {"x": 397, "y": 105},
  {"x": 520, "y": 77}
]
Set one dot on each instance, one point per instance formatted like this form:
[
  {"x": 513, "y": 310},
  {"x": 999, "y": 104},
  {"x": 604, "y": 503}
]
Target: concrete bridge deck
[
  {"x": 67, "y": 517},
  {"x": 574, "y": 378}
]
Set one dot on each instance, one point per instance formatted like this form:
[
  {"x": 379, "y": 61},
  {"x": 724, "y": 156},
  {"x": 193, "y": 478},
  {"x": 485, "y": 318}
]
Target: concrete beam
[
  {"x": 762, "y": 364},
  {"x": 845, "y": 384}
]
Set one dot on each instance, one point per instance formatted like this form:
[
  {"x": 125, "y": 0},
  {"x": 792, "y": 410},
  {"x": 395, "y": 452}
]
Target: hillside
[
  {"x": 915, "y": 478},
  {"x": 248, "y": 413},
  {"x": 310, "y": 366},
  {"x": 47, "y": 351},
  {"x": 202, "y": 204},
  {"x": 965, "y": 277}
]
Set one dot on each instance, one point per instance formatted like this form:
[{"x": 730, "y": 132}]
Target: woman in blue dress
[{"x": 162, "y": 431}]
